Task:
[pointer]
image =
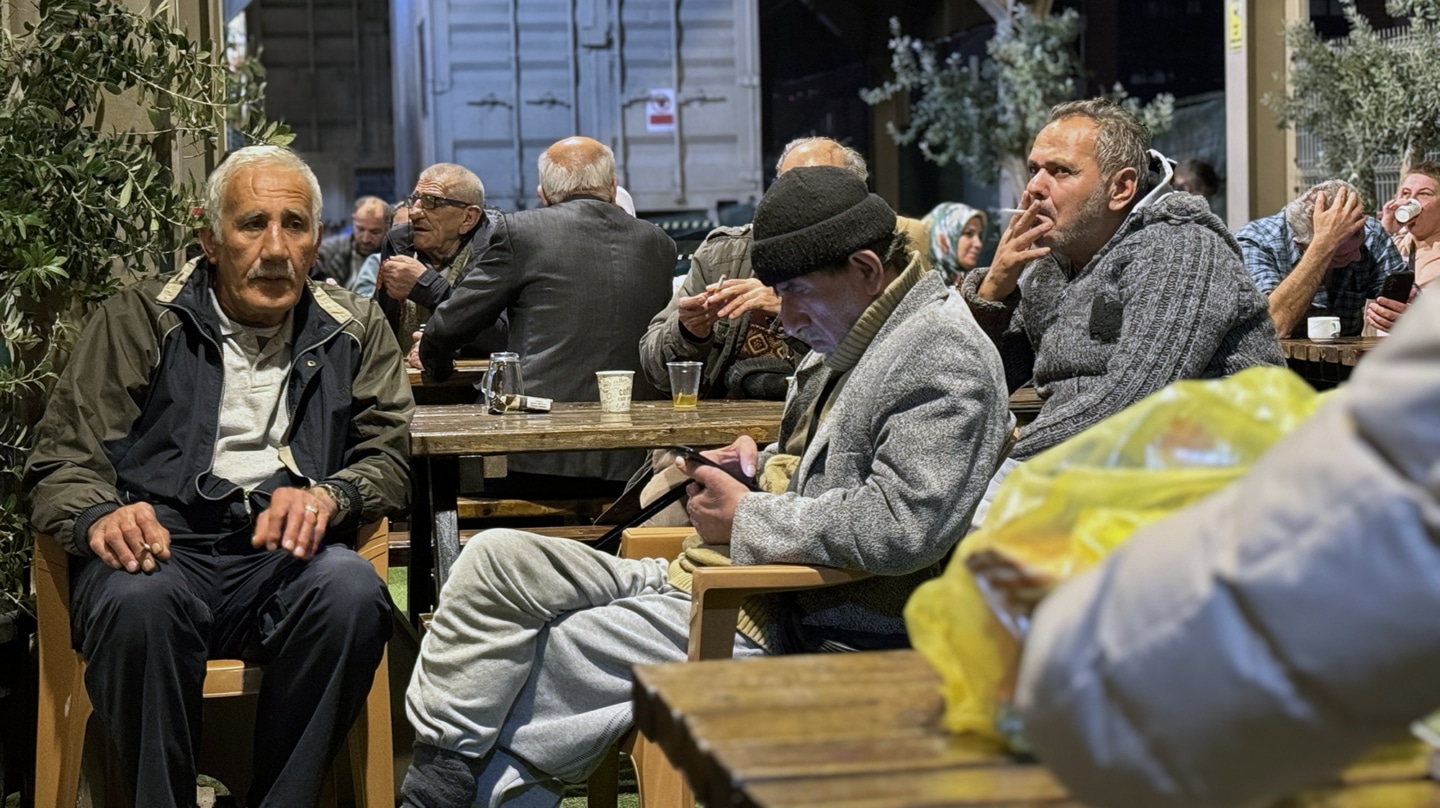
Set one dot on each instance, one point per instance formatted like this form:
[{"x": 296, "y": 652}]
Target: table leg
[
  {"x": 444, "y": 490},
  {"x": 420, "y": 588}
]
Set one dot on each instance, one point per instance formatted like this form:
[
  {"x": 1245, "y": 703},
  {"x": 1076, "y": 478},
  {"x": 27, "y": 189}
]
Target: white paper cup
[
  {"x": 615, "y": 388},
  {"x": 1322, "y": 328}
]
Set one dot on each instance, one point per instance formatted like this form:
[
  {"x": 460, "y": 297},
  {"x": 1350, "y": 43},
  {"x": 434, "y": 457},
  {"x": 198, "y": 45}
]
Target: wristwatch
[{"x": 342, "y": 499}]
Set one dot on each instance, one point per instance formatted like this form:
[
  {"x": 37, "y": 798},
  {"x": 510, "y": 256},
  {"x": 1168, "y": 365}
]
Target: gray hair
[
  {"x": 1121, "y": 140},
  {"x": 1300, "y": 213},
  {"x": 217, "y": 186},
  {"x": 371, "y": 202},
  {"x": 562, "y": 181},
  {"x": 851, "y": 160},
  {"x": 460, "y": 182}
]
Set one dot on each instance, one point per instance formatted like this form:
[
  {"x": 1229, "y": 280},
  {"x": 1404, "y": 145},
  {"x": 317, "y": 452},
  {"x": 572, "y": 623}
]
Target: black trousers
[{"x": 319, "y": 627}]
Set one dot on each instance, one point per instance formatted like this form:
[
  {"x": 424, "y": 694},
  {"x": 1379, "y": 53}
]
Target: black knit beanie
[{"x": 815, "y": 217}]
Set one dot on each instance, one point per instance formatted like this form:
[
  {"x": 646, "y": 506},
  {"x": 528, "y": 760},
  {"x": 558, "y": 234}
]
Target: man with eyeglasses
[{"x": 423, "y": 259}]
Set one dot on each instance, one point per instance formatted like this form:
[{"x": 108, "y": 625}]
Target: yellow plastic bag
[{"x": 1065, "y": 509}]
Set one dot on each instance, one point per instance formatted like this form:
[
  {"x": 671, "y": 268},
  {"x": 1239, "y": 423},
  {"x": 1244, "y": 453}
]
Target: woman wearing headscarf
[{"x": 957, "y": 232}]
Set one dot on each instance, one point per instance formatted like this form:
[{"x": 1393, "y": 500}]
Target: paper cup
[{"x": 615, "y": 388}]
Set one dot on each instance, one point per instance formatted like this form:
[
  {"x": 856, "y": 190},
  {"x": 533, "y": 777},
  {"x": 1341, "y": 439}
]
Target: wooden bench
[{"x": 864, "y": 729}]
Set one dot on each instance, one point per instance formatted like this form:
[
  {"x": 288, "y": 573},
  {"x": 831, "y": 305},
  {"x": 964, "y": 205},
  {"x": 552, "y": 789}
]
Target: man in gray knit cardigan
[
  {"x": 1126, "y": 286},
  {"x": 897, "y": 419}
]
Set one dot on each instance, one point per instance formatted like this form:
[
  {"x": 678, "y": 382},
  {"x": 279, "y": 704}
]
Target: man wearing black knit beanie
[{"x": 896, "y": 421}]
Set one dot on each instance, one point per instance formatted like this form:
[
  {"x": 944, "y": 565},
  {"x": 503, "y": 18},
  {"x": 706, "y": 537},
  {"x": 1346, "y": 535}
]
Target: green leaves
[
  {"x": 1363, "y": 98},
  {"x": 984, "y": 116},
  {"x": 84, "y": 205}
]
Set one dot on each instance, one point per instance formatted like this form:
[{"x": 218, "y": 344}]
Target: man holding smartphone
[
  {"x": 1322, "y": 255},
  {"x": 898, "y": 419}
]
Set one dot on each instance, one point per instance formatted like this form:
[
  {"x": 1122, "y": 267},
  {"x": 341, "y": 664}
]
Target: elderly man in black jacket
[
  {"x": 580, "y": 278},
  {"x": 210, "y": 449},
  {"x": 423, "y": 259}
]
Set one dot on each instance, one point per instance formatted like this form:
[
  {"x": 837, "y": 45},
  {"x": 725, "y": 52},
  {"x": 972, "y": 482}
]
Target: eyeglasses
[{"x": 431, "y": 202}]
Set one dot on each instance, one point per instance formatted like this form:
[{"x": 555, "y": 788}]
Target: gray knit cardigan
[
  {"x": 894, "y": 472},
  {"x": 1166, "y": 298}
]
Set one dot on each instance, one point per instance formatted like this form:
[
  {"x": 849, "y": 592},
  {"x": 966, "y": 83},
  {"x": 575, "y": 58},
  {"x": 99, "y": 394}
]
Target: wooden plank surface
[
  {"x": 571, "y": 426},
  {"x": 468, "y": 372},
  {"x": 1340, "y": 351},
  {"x": 863, "y": 731}
]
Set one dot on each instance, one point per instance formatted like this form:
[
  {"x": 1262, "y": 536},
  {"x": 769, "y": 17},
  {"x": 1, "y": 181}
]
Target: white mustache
[{"x": 262, "y": 271}]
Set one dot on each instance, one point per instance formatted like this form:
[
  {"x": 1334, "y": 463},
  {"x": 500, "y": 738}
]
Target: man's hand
[
  {"x": 398, "y": 275},
  {"x": 413, "y": 358},
  {"x": 695, "y": 314},
  {"x": 1015, "y": 250},
  {"x": 1335, "y": 223},
  {"x": 736, "y": 297},
  {"x": 130, "y": 538},
  {"x": 295, "y": 521},
  {"x": 1382, "y": 312},
  {"x": 1387, "y": 216},
  {"x": 715, "y": 495},
  {"x": 1404, "y": 242}
]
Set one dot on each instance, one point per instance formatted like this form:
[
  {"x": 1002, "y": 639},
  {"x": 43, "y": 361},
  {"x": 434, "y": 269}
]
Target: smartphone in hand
[
  {"x": 695, "y": 456},
  {"x": 1397, "y": 286}
]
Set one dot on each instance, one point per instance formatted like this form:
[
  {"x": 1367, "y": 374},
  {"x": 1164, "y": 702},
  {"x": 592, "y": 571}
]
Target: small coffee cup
[
  {"x": 1322, "y": 328},
  {"x": 615, "y": 386}
]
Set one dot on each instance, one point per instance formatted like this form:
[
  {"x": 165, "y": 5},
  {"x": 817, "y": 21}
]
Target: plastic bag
[{"x": 1060, "y": 512}]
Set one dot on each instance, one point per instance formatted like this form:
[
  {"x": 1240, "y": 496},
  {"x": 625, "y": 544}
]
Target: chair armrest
[
  {"x": 653, "y": 542},
  {"x": 716, "y": 594},
  {"x": 372, "y": 542}
]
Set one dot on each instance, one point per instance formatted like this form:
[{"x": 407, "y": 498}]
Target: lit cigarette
[
  {"x": 1010, "y": 211},
  {"x": 715, "y": 287}
]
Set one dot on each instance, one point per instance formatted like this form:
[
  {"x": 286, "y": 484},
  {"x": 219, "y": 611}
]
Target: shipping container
[{"x": 673, "y": 86}]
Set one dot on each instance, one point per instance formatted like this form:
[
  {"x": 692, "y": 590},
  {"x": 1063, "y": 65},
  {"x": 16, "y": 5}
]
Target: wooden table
[
  {"x": 863, "y": 730},
  {"x": 1025, "y": 404},
  {"x": 439, "y": 435},
  {"x": 458, "y": 389},
  {"x": 1329, "y": 362}
]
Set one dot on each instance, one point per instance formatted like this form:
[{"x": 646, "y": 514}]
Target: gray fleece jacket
[
  {"x": 1166, "y": 298},
  {"x": 895, "y": 469}
]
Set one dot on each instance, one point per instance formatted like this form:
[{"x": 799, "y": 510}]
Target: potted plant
[{"x": 89, "y": 199}]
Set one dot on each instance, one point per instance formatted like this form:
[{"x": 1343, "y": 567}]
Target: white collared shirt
[{"x": 253, "y": 413}]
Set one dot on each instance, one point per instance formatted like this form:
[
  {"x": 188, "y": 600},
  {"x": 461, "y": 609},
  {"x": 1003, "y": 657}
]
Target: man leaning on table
[
  {"x": 579, "y": 279},
  {"x": 897, "y": 422},
  {"x": 1322, "y": 255},
  {"x": 211, "y": 448},
  {"x": 440, "y": 242}
]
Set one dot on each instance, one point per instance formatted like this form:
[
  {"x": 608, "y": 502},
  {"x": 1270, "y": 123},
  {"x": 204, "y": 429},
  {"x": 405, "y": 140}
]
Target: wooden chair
[
  {"x": 64, "y": 706},
  {"x": 715, "y": 597}
]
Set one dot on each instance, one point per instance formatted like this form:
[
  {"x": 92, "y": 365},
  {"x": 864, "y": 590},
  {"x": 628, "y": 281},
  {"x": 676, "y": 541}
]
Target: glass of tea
[{"x": 685, "y": 384}]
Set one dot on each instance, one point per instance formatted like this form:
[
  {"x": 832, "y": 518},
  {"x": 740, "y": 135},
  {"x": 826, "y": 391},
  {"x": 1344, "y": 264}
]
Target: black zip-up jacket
[{"x": 134, "y": 415}]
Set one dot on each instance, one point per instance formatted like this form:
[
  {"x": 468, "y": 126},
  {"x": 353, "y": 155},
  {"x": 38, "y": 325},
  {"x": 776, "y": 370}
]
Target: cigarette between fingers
[{"x": 1010, "y": 211}]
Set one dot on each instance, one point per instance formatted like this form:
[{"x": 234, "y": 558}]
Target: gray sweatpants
[{"x": 528, "y": 658}]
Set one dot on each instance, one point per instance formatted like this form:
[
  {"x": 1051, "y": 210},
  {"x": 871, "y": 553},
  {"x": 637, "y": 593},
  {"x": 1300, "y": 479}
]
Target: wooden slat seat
[{"x": 481, "y": 507}]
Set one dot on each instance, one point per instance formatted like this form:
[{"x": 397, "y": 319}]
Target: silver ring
[{"x": 312, "y": 508}]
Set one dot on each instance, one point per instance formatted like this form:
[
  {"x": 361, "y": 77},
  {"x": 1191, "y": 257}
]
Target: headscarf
[{"x": 946, "y": 222}]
